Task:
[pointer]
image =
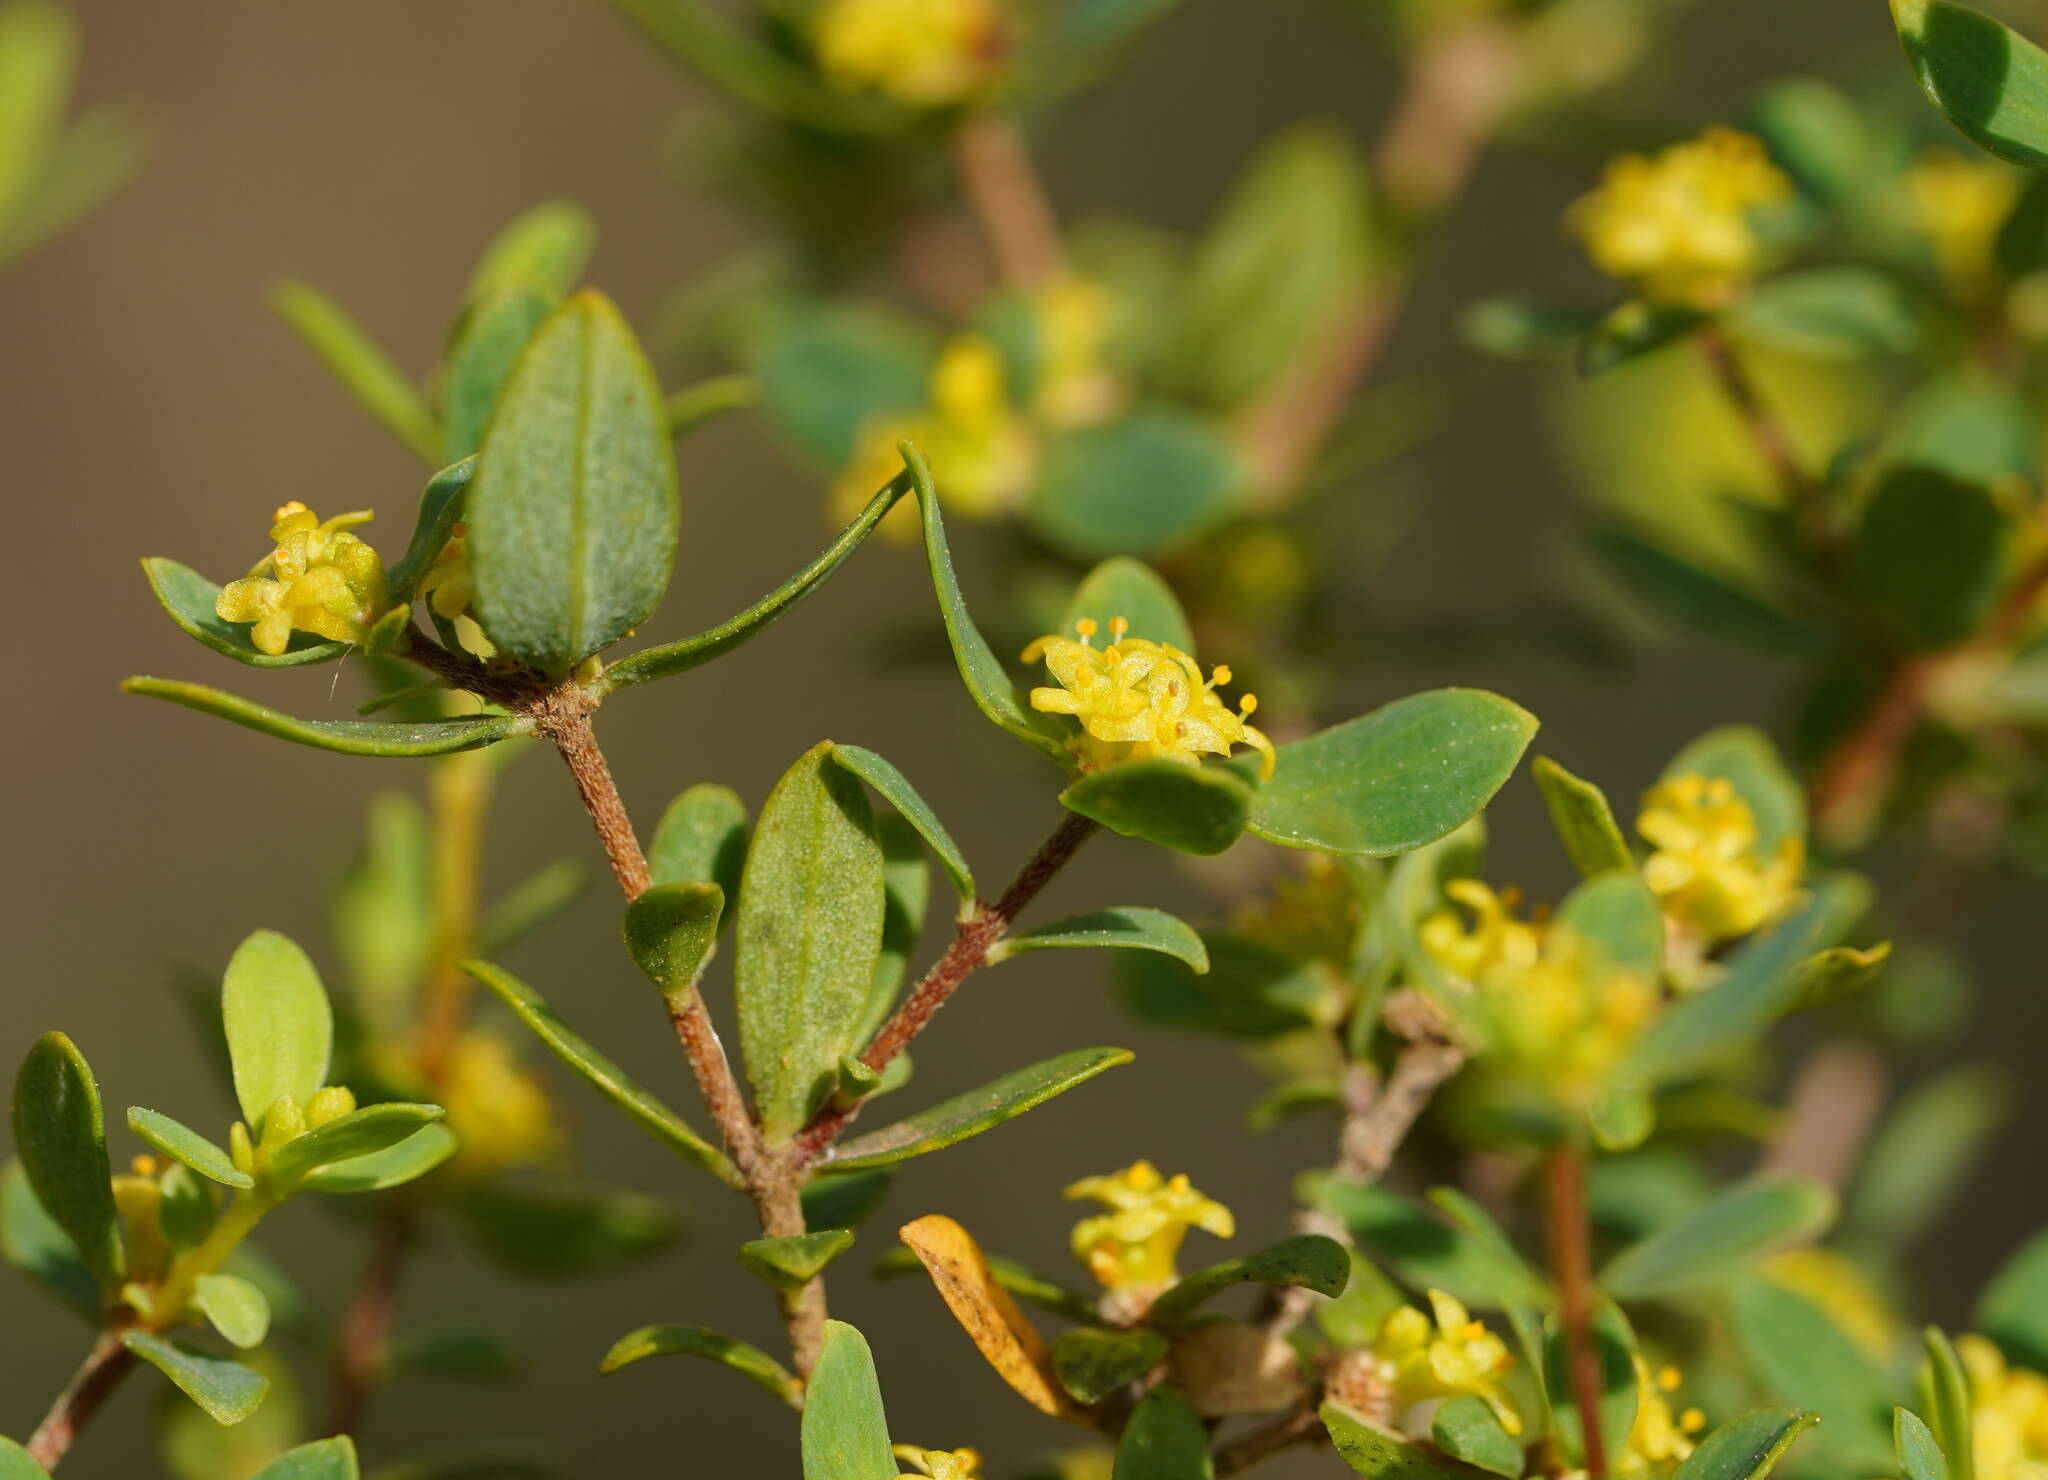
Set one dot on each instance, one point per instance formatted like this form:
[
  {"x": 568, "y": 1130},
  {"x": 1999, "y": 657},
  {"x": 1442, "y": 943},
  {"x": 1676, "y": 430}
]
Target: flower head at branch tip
[
  {"x": 938, "y": 1464},
  {"x": 2009, "y": 1405},
  {"x": 1141, "y": 700},
  {"x": 1135, "y": 1244},
  {"x": 1678, "y": 225},
  {"x": 1417, "y": 1359},
  {"x": 449, "y": 589},
  {"x": 320, "y": 579},
  {"x": 1659, "y": 1438},
  {"x": 923, "y": 53},
  {"x": 1959, "y": 205},
  {"x": 1706, "y": 870},
  {"x": 1495, "y": 938}
]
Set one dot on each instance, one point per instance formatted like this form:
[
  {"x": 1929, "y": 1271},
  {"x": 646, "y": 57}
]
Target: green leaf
[
  {"x": 493, "y": 332},
  {"x": 1614, "y": 1345},
  {"x": 679, "y": 657},
  {"x": 342, "y": 736},
  {"x": 1192, "y": 809},
  {"x": 1800, "y": 1356},
  {"x": 600, "y": 1073},
  {"x": 38, "y": 56},
  {"x": 228, "y": 1391},
  {"x": 17, "y": 1463},
  {"x": 280, "y": 1026},
  {"x": 363, "y": 369},
  {"x": 1376, "y": 1453},
  {"x": 702, "y": 839},
  {"x": 1990, "y": 81},
  {"x": 1930, "y": 556},
  {"x": 1392, "y": 780},
  {"x": 845, "y": 1431},
  {"x": 1466, "y": 1429},
  {"x": 976, "y": 1111},
  {"x": 1122, "y": 587},
  {"x": 1718, "y": 1239},
  {"x": 670, "y": 930},
  {"x": 573, "y": 511},
  {"x": 2013, "y": 1310},
  {"x": 1131, "y": 927},
  {"x": 545, "y": 247},
  {"x": 1617, "y": 915},
  {"x": 1717, "y": 604},
  {"x": 897, "y": 791},
  {"x": 529, "y": 904},
  {"x": 987, "y": 684},
  {"x": 1621, "y": 1116},
  {"x": 189, "y": 598},
  {"x": 549, "y": 1231},
  {"x": 828, "y": 371},
  {"x": 1920, "y": 1458},
  {"x": 1354, "y": 1318},
  {"x": 844, "y": 1202},
  {"x": 1308, "y": 1261},
  {"x": 1830, "y": 313},
  {"x": 1818, "y": 134},
  {"x": 808, "y": 935},
  {"x": 1633, "y": 330},
  {"x": 456, "y": 1354},
  {"x": 1163, "y": 1440},
  {"x": 183, "y": 1144},
  {"x": 236, "y": 1308},
  {"x": 1969, "y": 425},
  {"x": 906, "y": 895},
  {"x": 186, "y": 1209},
  {"x": 102, "y": 150},
  {"x": 440, "y": 507},
  {"x": 1744, "y": 757},
  {"x": 792, "y": 1262},
  {"x": 1517, "y": 329},
  {"x": 379, "y": 1171},
  {"x": 697, "y": 1341},
  {"x": 1091, "y": 1364},
  {"x": 1924, "y": 1154},
  {"x": 60, "y": 1133},
  {"x": 323, "y": 1459},
  {"x": 1250, "y": 990},
  {"x": 360, "y": 1133},
  {"x": 1137, "y": 486},
  {"x": 34, "y": 1243},
  {"x": 1425, "y": 1251},
  {"x": 1947, "y": 1389},
  {"x": 1592, "y": 839},
  {"x": 1746, "y": 1448}
]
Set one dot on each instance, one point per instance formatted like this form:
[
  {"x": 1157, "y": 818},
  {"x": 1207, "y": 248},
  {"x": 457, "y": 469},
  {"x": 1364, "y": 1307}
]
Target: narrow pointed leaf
[
  {"x": 38, "y": 61},
  {"x": 807, "y": 938},
  {"x": 1425, "y": 1251},
  {"x": 531, "y": 903},
  {"x": 363, "y": 369},
  {"x": 679, "y": 657},
  {"x": 702, "y": 839},
  {"x": 188, "y": 597},
  {"x": 897, "y": 791},
  {"x": 1130, "y": 927},
  {"x": 697, "y": 1341},
  {"x": 280, "y": 1026},
  {"x": 1163, "y": 1440},
  {"x": 1746, "y": 1448},
  {"x": 1191, "y": 809},
  {"x": 1989, "y": 80},
  {"x": 494, "y": 332},
  {"x": 1127, "y": 588},
  {"x": 342, "y": 736},
  {"x": 183, "y": 1144},
  {"x": 415, "y": 1156},
  {"x": 1308, "y": 1261},
  {"x": 1718, "y": 1239},
  {"x": 845, "y": 1432},
  {"x": 976, "y": 1111},
  {"x": 545, "y": 247},
  {"x": 1091, "y": 1364},
  {"x": 1390, "y": 781},
  {"x": 670, "y": 930},
  {"x": 1592, "y": 839},
  {"x": 228, "y": 1391},
  {"x": 440, "y": 509},
  {"x": 1920, "y": 1458},
  {"x": 1949, "y": 1407},
  {"x": 363, "y": 1132},
  {"x": 573, "y": 512},
  {"x": 236, "y": 1308},
  {"x": 791, "y": 1263},
  {"x": 600, "y": 1072},
  {"x": 1001, "y": 1332},
  {"x": 60, "y": 1133}
]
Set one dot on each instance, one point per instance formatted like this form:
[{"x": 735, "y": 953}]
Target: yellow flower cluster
[
  {"x": 925, "y": 53},
  {"x": 449, "y": 589},
  {"x": 1706, "y": 871},
  {"x": 1141, "y": 700},
  {"x": 1075, "y": 387},
  {"x": 938, "y": 1464},
  {"x": 1959, "y": 205},
  {"x": 1416, "y": 1358},
  {"x": 1659, "y": 1437},
  {"x": 1678, "y": 226},
  {"x": 320, "y": 579},
  {"x": 2009, "y": 1427},
  {"x": 497, "y": 1109},
  {"x": 1135, "y": 1244}
]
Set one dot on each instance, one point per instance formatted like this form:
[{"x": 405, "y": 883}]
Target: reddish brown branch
[
  {"x": 1773, "y": 443},
  {"x": 1302, "y": 1426},
  {"x": 1004, "y": 191},
  {"x": 90, "y": 1387},
  {"x": 366, "y": 1328},
  {"x": 1572, "y": 1257}
]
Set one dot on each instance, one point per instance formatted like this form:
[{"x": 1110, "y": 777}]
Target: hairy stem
[
  {"x": 90, "y": 1386},
  {"x": 1008, "y": 201},
  {"x": 973, "y": 938},
  {"x": 1564, "y": 1173},
  {"x": 366, "y": 1328}
]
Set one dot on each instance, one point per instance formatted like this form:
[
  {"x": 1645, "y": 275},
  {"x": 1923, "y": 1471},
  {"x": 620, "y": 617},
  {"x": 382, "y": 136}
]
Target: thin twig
[
  {"x": 1572, "y": 1257},
  {"x": 1835, "y": 1099},
  {"x": 1003, "y": 189},
  {"x": 90, "y": 1386},
  {"x": 366, "y": 1328},
  {"x": 1299, "y": 1427},
  {"x": 1773, "y": 443},
  {"x": 972, "y": 940}
]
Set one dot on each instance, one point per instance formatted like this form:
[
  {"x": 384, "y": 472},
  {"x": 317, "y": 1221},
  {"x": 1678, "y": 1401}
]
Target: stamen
[
  {"x": 143, "y": 1166},
  {"x": 1668, "y": 1379},
  {"x": 1247, "y": 706},
  {"x": 1220, "y": 677},
  {"x": 1086, "y": 627},
  {"x": 1118, "y": 626}
]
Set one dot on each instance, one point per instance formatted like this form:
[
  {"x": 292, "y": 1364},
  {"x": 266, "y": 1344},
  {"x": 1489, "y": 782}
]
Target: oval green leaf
[
  {"x": 976, "y": 1111},
  {"x": 279, "y": 1023},
  {"x": 1746, "y": 1448},
  {"x": 702, "y": 839},
  {"x": 236, "y": 1308},
  {"x": 360, "y": 1133},
  {"x": 380, "y": 1171},
  {"x": 1137, "y": 486},
  {"x": 671, "y": 930},
  {"x": 845, "y": 1431},
  {"x": 1127, "y": 588},
  {"x": 60, "y": 1133},
  {"x": 1163, "y": 1440},
  {"x": 1130, "y": 927},
  {"x": 1191, "y": 809},
  {"x": 1990, "y": 81},
  {"x": 17, "y": 1463},
  {"x": 1716, "y": 1240},
  {"x": 33, "y": 1242},
  {"x": 323, "y": 1459},
  {"x": 228, "y": 1391},
  {"x": 1309, "y": 1261},
  {"x": 1091, "y": 1363},
  {"x": 2013, "y": 1310},
  {"x": 791, "y": 1263}
]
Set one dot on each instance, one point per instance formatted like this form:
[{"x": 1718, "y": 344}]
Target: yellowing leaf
[{"x": 1002, "y": 1332}]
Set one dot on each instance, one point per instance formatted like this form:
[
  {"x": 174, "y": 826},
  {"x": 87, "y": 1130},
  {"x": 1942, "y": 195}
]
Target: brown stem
[
  {"x": 1003, "y": 189},
  {"x": 1571, "y": 1254},
  {"x": 366, "y": 1328},
  {"x": 90, "y": 1386},
  {"x": 1835, "y": 1099},
  {"x": 1299, "y": 1427},
  {"x": 1773, "y": 443},
  {"x": 973, "y": 938}
]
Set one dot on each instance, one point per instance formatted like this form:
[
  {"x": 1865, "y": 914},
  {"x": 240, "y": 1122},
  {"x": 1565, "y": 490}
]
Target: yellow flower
[
  {"x": 1706, "y": 871},
  {"x": 1134, "y": 1245},
  {"x": 320, "y": 579},
  {"x": 980, "y": 453},
  {"x": 1418, "y": 1358},
  {"x": 497, "y": 1109},
  {"x": 1678, "y": 225},
  {"x": 1959, "y": 205},
  {"x": 449, "y": 589},
  {"x": 1075, "y": 387},
  {"x": 138, "y": 1200},
  {"x": 2009, "y": 1428},
  {"x": 927, "y": 53},
  {"x": 938, "y": 1464},
  {"x": 1659, "y": 1437},
  {"x": 1140, "y": 700},
  {"x": 1496, "y": 938}
]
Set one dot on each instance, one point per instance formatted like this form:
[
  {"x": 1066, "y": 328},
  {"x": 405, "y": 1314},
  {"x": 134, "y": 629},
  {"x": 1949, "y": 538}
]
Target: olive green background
[{"x": 150, "y": 403}]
